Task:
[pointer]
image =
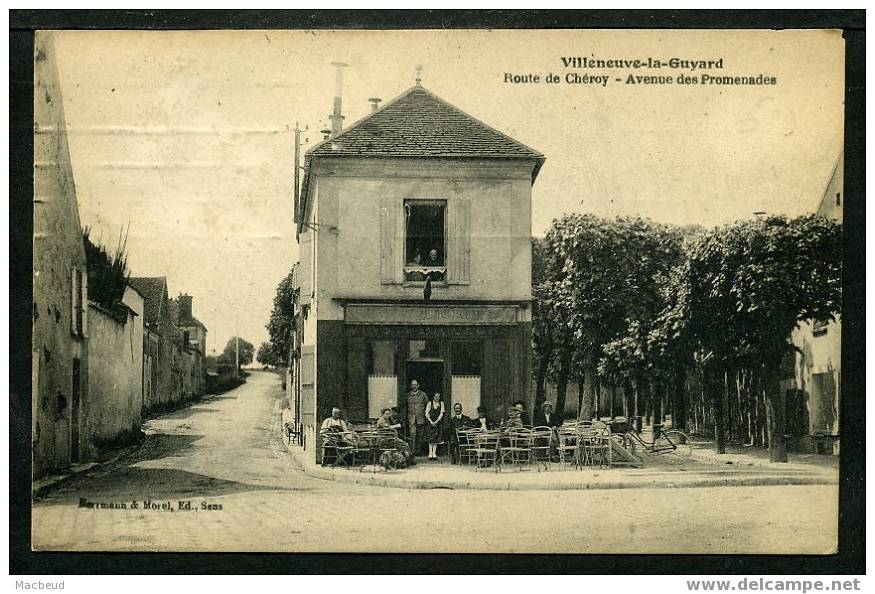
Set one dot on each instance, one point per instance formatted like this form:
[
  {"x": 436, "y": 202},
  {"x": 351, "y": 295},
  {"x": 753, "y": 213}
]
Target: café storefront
[{"x": 472, "y": 353}]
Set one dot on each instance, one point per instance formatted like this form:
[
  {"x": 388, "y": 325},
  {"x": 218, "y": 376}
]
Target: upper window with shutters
[
  {"x": 425, "y": 240},
  {"x": 422, "y": 238}
]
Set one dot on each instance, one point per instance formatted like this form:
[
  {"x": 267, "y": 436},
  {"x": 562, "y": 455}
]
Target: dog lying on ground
[{"x": 393, "y": 460}]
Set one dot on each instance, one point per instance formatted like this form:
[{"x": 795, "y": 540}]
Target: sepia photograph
[{"x": 438, "y": 291}]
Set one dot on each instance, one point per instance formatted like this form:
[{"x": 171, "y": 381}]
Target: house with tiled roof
[
  {"x": 189, "y": 350},
  {"x": 157, "y": 340},
  {"x": 414, "y": 228}
]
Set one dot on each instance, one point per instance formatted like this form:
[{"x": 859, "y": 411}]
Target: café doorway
[{"x": 429, "y": 374}]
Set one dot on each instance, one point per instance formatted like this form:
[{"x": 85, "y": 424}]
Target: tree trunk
[
  {"x": 613, "y": 401},
  {"x": 588, "y": 401},
  {"x": 679, "y": 401},
  {"x": 776, "y": 414},
  {"x": 628, "y": 400},
  {"x": 541, "y": 383},
  {"x": 647, "y": 396},
  {"x": 714, "y": 388},
  {"x": 561, "y": 390},
  {"x": 597, "y": 406},
  {"x": 656, "y": 401}
]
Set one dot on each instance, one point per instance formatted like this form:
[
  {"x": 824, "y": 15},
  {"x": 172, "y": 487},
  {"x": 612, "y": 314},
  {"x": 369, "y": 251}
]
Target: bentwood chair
[
  {"x": 485, "y": 450},
  {"x": 598, "y": 445},
  {"x": 542, "y": 446},
  {"x": 568, "y": 445},
  {"x": 337, "y": 448},
  {"x": 466, "y": 444},
  {"x": 518, "y": 451}
]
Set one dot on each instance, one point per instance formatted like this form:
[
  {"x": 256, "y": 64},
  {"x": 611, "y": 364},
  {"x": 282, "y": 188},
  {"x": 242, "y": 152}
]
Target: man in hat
[{"x": 546, "y": 417}]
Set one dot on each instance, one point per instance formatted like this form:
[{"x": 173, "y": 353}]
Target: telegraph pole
[{"x": 297, "y": 170}]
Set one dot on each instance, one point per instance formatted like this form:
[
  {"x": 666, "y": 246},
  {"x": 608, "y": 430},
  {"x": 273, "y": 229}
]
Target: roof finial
[{"x": 419, "y": 75}]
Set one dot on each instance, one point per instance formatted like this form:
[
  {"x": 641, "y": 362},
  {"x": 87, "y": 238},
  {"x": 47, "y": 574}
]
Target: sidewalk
[
  {"x": 39, "y": 487},
  {"x": 704, "y": 470}
]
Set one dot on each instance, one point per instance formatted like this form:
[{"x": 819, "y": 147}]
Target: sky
[{"x": 184, "y": 139}]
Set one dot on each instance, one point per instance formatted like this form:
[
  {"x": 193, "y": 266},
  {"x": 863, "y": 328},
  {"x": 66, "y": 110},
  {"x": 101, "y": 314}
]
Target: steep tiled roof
[
  {"x": 152, "y": 289},
  {"x": 421, "y": 124}
]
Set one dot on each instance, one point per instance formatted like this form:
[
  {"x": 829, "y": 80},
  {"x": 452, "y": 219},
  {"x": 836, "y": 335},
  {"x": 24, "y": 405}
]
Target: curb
[
  {"x": 380, "y": 480},
  {"x": 42, "y": 487},
  {"x": 375, "y": 480}
]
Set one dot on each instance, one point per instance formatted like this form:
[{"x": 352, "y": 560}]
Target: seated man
[
  {"x": 388, "y": 422},
  {"x": 523, "y": 414},
  {"x": 513, "y": 418},
  {"x": 547, "y": 418},
  {"x": 334, "y": 422},
  {"x": 457, "y": 421},
  {"x": 333, "y": 442},
  {"x": 481, "y": 422}
]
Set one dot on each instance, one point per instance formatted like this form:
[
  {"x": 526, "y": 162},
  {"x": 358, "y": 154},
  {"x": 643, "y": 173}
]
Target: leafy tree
[
  {"x": 605, "y": 274},
  {"x": 750, "y": 284},
  {"x": 282, "y": 321},
  {"x": 228, "y": 355},
  {"x": 266, "y": 355}
]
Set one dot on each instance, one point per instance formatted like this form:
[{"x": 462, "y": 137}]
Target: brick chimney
[
  {"x": 184, "y": 307},
  {"x": 336, "y": 116}
]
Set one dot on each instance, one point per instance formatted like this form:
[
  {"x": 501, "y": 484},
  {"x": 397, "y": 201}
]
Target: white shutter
[
  {"x": 306, "y": 258},
  {"x": 84, "y": 302},
  {"x": 391, "y": 241},
  {"x": 459, "y": 249}
]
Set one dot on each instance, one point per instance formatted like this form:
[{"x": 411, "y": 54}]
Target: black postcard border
[{"x": 851, "y": 556}]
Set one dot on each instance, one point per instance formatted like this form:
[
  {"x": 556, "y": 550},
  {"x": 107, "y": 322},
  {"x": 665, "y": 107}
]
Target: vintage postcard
[{"x": 474, "y": 291}]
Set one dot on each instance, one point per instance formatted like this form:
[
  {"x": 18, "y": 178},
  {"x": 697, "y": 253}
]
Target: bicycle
[{"x": 674, "y": 443}]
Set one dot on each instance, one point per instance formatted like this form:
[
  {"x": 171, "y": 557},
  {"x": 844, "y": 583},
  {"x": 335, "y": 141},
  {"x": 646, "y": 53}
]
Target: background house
[
  {"x": 157, "y": 337},
  {"x": 414, "y": 227},
  {"x": 815, "y": 379},
  {"x": 189, "y": 346},
  {"x": 59, "y": 348}
]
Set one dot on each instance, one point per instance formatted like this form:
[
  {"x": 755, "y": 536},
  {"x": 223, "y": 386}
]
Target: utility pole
[
  {"x": 236, "y": 346},
  {"x": 297, "y": 170}
]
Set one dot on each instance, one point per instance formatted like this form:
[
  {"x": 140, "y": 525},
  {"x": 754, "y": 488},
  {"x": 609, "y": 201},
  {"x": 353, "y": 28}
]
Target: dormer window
[{"x": 425, "y": 240}]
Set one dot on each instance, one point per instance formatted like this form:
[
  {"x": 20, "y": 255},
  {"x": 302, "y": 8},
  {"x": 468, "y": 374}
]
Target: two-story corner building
[
  {"x": 415, "y": 238},
  {"x": 59, "y": 347}
]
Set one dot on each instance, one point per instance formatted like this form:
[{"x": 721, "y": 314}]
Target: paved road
[{"x": 223, "y": 453}]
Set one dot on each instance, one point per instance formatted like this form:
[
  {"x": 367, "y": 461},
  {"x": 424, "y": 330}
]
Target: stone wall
[{"x": 115, "y": 367}]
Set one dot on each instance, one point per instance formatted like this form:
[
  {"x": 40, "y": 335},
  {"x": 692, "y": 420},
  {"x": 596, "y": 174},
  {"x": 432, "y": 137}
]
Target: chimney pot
[{"x": 375, "y": 103}]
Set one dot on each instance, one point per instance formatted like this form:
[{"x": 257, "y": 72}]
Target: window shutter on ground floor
[
  {"x": 391, "y": 241},
  {"x": 459, "y": 240}
]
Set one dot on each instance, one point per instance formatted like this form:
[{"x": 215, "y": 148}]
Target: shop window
[
  {"x": 382, "y": 376},
  {"x": 467, "y": 360},
  {"x": 467, "y": 357},
  {"x": 425, "y": 240},
  {"x": 424, "y": 349}
]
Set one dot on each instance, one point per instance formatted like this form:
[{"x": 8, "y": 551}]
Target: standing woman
[{"x": 434, "y": 425}]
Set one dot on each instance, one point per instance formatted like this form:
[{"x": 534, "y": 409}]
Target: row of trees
[{"x": 680, "y": 320}]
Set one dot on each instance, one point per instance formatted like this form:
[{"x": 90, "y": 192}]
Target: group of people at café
[{"x": 429, "y": 422}]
